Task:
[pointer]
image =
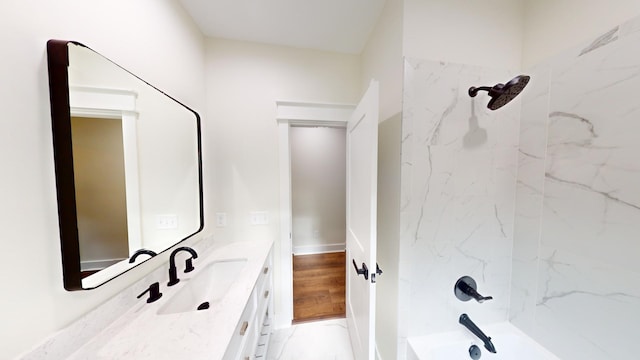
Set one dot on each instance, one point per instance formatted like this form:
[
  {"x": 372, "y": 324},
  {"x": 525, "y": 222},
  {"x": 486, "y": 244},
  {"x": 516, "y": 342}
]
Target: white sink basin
[{"x": 210, "y": 284}]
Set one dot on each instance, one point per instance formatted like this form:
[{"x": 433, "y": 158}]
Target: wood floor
[{"x": 318, "y": 286}]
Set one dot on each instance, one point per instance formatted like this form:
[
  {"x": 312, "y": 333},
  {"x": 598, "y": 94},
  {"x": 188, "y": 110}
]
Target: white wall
[
  {"x": 484, "y": 32},
  {"x": 244, "y": 81},
  {"x": 388, "y": 219},
  {"x": 551, "y": 26},
  {"x": 144, "y": 36},
  {"x": 382, "y": 59},
  {"x": 318, "y": 184}
]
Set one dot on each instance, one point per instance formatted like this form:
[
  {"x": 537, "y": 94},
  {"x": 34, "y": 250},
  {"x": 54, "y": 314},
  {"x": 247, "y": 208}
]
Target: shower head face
[{"x": 503, "y": 94}]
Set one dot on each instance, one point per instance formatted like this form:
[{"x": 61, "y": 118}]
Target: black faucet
[
  {"x": 141, "y": 252},
  {"x": 466, "y": 322},
  {"x": 173, "y": 271}
]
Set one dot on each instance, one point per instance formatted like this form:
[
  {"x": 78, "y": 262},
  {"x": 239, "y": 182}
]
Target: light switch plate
[
  {"x": 259, "y": 218},
  {"x": 164, "y": 222}
]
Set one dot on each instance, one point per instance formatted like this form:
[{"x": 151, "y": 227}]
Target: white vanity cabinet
[{"x": 251, "y": 337}]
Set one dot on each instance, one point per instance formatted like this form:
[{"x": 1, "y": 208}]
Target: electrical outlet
[{"x": 221, "y": 219}]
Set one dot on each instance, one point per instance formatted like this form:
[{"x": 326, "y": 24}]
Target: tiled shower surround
[
  {"x": 576, "y": 273},
  {"x": 538, "y": 201},
  {"x": 459, "y": 168}
]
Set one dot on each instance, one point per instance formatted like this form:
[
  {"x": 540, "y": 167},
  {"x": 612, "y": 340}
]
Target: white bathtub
[{"x": 510, "y": 344}]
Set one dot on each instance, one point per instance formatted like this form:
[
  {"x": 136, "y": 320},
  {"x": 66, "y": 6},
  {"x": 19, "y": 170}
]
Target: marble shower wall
[
  {"x": 459, "y": 165},
  {"x": 576, "y": 274}
]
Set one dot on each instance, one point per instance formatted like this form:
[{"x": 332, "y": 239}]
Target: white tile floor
[{"x": 319, "y": 340}]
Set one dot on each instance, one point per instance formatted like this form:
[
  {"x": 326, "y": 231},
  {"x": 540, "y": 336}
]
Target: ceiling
[{"x": 333, "y": 25}]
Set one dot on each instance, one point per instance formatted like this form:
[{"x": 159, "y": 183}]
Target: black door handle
[{"x": 364, "y": 271}]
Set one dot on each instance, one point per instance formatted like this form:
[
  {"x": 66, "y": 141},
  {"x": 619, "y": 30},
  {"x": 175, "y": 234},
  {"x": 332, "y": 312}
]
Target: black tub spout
[{"x": 465, "y": 320}]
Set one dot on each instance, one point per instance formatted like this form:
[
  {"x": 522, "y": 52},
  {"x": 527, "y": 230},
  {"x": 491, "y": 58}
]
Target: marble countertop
[{"x": 141, "y": 333}]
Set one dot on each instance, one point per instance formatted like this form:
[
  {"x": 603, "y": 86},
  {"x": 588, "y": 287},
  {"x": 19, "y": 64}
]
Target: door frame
[
  {"x": 293, "y": 113},
  {"x": 120, "y": 104}
]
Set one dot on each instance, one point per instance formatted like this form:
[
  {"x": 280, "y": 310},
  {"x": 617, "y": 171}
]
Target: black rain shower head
[{"x": 501, "y": 94}]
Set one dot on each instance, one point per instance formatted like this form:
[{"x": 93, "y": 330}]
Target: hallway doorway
[
  {"x": 318, "y": 194},
  {"x": 291, "y": 115}
]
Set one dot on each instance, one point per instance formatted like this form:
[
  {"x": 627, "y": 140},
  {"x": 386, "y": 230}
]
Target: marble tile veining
[
  {"x": 319, "y": 340},
  {"x": 575, "y": 271},
  {"x": 458, "y": 185},
  {"x": 606, "y": 38},
  {"x": 529, "y": 198}
]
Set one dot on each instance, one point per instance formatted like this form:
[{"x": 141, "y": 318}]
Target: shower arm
[{"x": 473, "y": 91}]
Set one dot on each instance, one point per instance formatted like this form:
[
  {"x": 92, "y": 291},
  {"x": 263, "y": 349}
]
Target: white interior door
[{"x": 362, "y": 167}]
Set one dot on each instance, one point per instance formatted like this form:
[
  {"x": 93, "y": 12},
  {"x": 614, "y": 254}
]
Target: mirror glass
[{"x": 128, "y": 166}]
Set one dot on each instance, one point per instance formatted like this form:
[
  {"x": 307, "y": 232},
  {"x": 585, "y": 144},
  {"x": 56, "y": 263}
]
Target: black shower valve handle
[
  {"x": 465, "y": 290},
  {"x": 473, "y": 293}
]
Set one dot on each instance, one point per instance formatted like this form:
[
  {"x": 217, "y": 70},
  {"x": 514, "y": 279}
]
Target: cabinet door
[{"x": 251, "y": 337}]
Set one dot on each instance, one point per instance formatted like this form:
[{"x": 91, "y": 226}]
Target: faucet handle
[
  {"x": 154, "y": 292},
  {"x": 189, "y": 265},
  {"x": 465, "y": 290}
]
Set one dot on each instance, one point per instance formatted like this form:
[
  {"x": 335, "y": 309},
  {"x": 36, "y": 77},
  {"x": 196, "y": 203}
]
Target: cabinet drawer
[
  {"x": 264, "y": 299},
  {"x": 244, "y": 332},
  {"x": 250, "y": 340},
  {"x": 265, "y": 275},
  {"x": 264, "y": 335},
  {"x": 250, "y": 343}
]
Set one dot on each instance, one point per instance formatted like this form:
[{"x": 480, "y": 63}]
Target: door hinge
[{"x": 378, "y": 272}]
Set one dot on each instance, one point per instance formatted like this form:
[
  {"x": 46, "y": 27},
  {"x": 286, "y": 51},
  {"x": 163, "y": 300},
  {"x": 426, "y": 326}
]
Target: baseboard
[
  {"x": 98, "y": 264},
  {"x": 318, "y": 249}
]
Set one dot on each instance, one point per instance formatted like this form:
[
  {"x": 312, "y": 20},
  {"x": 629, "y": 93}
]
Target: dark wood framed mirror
[{"x": 128, "y": 166}]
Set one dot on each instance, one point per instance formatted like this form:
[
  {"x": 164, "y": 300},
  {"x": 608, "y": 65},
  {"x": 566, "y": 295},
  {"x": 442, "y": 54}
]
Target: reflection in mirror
[{"x": 128, "y": 166}]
